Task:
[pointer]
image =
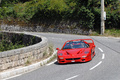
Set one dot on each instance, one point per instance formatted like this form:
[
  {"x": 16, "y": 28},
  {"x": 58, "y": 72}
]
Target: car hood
[{"x": 72, "y": 51}]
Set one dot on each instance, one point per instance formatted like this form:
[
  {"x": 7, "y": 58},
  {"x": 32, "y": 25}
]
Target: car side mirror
[
  {"x": 93, "y": 45},
  {"x": 57, "y": 49}
]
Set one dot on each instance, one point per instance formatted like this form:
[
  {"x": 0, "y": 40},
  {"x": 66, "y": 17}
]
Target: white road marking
[
  {"x": 100, "y": 49},
  {"x": 72, "y": 77},
  {"x": 103, "y": 56},
  {"x": 95, "y": 65},
  {"x": 51, "y": 63}
]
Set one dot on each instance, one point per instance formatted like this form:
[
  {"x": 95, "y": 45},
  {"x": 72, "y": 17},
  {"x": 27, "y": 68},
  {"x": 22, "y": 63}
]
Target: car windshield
[{"x": 75, "y": 44}]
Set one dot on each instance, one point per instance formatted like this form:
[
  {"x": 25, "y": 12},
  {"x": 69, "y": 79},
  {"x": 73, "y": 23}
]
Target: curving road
[{"x": 104, "y": 66}]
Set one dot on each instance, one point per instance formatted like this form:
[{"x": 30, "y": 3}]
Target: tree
[{"x": 0, "y": 2}]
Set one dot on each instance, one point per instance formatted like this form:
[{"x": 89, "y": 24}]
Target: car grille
[{"x": 72, "y": 58}]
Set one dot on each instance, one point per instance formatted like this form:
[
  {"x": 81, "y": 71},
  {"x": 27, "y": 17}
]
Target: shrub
[{"x": 87, "y": 12}]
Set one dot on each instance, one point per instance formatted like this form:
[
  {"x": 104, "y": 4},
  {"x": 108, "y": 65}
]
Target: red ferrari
[{"x": 79, "y": 50}]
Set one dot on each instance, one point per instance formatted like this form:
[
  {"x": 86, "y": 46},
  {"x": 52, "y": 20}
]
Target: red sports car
[{"x": 79, "y": 50}]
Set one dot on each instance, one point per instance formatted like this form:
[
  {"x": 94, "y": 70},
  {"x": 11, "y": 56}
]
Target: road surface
[{"x": 104, "y": 66}]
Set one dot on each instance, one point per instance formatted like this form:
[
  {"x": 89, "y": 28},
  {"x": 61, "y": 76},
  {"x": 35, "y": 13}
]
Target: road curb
[{"x": 9, "y": 74}]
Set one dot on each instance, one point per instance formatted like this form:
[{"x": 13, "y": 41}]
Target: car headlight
[
  {"x": 84, "y": 56},
  {"x": 61, "y": 57},
  {"x": 60, "y": 54}
]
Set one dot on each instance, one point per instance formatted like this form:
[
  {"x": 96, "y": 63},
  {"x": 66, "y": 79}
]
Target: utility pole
[{"x": 102, "y": 18}]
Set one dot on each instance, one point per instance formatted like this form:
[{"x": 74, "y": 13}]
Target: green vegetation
[
  {"x": 108, "y": 33},
  {"x": 6, "y": 45},
  {"x": 86, "y": 12},
  {"x": 112, "y": 32},
  {"x": 45, "y": 55},
  {"x": 51, "y": 50},
  {"x": 15, "y": 41},
  {"x": 27, "y": 63},
  {"x": 52, "y": 59}
]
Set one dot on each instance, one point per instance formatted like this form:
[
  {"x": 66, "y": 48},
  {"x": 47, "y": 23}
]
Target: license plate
[{"x": 72, "y": 61}]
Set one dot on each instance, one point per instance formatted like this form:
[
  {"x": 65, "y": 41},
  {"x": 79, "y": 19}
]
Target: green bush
[
  {"x": 5, "y": 45},
  {"x": 86, "y": 12},
  {"x": 113, "y": 15}
]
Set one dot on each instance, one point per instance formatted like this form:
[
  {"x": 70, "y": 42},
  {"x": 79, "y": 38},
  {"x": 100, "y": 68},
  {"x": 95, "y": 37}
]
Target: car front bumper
[{"x": 62, "y": 59}]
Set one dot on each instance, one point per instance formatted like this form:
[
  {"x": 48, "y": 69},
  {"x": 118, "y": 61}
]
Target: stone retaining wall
[
  {"x": 25, "y": 55},
  {"x": 57, "y": 28}
]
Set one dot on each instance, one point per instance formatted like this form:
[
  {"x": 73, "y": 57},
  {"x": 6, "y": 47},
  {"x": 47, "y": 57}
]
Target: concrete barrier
[{"x": 22, "y": 56}]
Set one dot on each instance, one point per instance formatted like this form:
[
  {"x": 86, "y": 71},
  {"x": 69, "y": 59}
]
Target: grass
[
  {"x": 108, "y": 32},
  {"x": 45, "y": 55},
  {"x": 27, "y": 63},
  {"x": 94, "y": 33},
  {"x": 112, "y": 32},
  {"x": 6, "y": 45},
  {"x": 53, "y": 58},
  {"x": 51, "y": 49}
]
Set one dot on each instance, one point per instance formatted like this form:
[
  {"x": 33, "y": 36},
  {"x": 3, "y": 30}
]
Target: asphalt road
[{"x": 104, "y": 66}]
